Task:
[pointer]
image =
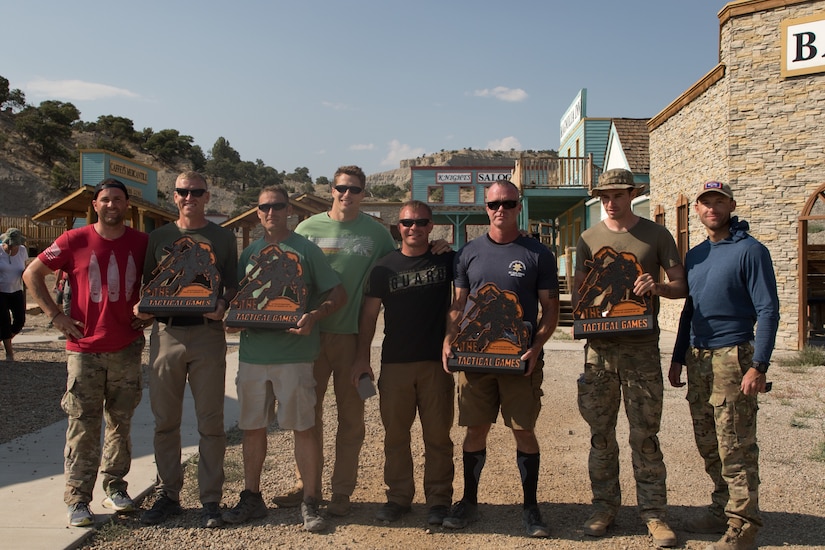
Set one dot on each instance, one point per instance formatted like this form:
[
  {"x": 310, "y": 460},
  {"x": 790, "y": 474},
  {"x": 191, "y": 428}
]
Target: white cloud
[
  {"x": 362, "y": 147},
  {"x": 400, "y": 151},
  {"x": 503, "y": 93},
  {"x": 336, "y": 106},
  {"x": 504, "y": 144},
  {"x": 75, "y": 90}
]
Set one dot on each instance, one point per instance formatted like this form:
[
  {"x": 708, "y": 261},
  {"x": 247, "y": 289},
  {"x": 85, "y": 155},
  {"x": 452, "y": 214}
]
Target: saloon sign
[{"x": 803, "y": 45}]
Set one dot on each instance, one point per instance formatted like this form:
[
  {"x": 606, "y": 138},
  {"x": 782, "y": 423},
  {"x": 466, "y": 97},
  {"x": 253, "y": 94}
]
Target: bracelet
[{"x": 58, "y": 314}]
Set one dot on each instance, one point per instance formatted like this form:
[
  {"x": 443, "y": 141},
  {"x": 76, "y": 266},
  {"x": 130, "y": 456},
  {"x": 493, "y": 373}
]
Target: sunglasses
[
  {"x": 197, "y": 193},
  {"x": 354, "y": 189},
  {"x": 418, "y": 222},
  {"x": 508, "y": 205},
  {"x": 267, "y": 206}
]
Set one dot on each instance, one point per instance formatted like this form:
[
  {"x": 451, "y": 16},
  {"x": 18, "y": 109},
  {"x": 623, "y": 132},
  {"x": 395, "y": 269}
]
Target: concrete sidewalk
[{"x": 32, "y": 513}]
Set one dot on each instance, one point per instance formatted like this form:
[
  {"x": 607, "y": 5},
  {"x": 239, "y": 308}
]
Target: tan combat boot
[
  {"x": 663, "y": 535},
  {"x": 739, "y": 536},
  {"x": 597, "y": 524}
]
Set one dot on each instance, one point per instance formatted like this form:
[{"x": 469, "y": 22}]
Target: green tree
[
  {"x": 13, "y": 99},
  {"x": 116, "y": 127},
  {"x": 197, "y": 158},
  {"x": 169, "y": 145},
  {"x": 46, "y": 126},
  {"x": 300, "y": 175},
  {"x": 323, "y": 180},
  {"x": 387, "y": 191}
]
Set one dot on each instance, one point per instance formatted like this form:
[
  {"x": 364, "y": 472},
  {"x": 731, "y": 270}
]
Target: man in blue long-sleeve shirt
[{"x": 731, "y": 287}]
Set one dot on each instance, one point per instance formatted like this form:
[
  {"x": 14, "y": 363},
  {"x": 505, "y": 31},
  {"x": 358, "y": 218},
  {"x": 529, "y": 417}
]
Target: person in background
[
  {"x": 525, "y": 267},
  {"x": 732, "y": 286},
  {"x": 104, "y": 346},
  {"x": 414, "y": 286},
  {"x": 190, "y": 348},
  {"x": 276, "y": 364},
  {"x": 13, "y": 258}
]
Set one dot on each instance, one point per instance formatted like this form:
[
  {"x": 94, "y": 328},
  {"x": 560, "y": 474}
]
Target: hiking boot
[
  {"x": 211, "y": 515},
  {"x": 461, "y": 515},
  {"x": 535, "y": 527},
  {"x": 313, "y": 522},
  {"x": 162, "y": 510},
  {"x": 80, "y": 515},
  {"x": 437, "y": 514},
  {"x": 339, "y": 505},
  {"x": 706, "y": 522},
  {"x": 663, "y": 536},
  {"x": 250, "y": 506},
  {"x": 391, "y": 511},
  {"x": 598, "y": 522},
  {"x": 736, "y": 538},
  {"x": 292, "y": 499},
  {"x": 119, "y": 501}
]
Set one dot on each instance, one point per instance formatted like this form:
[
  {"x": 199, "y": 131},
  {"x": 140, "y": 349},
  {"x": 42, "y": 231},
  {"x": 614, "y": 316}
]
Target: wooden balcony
[{"x": 555, "y": 172}]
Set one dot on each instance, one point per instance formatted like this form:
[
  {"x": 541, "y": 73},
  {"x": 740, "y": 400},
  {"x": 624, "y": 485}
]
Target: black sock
[
  {"x": 528, "y": 467},
  {"x": 473, "y": 463}
]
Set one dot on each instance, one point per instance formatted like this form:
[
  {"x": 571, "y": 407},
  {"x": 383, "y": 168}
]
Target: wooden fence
[{"x": 38, "y": 235}]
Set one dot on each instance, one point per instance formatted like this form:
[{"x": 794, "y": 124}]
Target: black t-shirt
[{"x": 416, "y": 293}]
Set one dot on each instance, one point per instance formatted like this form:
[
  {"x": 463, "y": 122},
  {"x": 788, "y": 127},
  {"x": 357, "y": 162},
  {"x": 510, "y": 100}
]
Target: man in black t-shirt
[{"x": 414, "y": 287}]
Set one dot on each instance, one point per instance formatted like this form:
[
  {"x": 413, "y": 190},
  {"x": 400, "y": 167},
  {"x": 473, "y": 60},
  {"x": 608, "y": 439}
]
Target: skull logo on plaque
[
  {"x": 272, "y": 294},
  {"x": 185, "y": 282},
  {"x": 607, "y": 305},
  {"x": 492, "y": 336}
]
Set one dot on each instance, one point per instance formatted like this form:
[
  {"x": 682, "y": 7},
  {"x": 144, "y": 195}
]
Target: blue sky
[{"x": 321, "y": 83}]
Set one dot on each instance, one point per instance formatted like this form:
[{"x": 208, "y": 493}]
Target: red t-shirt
[{"x": 105, "y": 279}]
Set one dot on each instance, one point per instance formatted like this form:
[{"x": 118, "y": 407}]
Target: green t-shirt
[
  {"x": 352, "y": 248},
  {"x": 268, "y": 347}
]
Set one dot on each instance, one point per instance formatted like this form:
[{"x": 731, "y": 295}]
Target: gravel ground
[{"x": 791, "y": 436}]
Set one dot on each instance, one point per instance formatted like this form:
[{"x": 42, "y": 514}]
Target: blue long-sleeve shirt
[{"x": 732, "y": 286}]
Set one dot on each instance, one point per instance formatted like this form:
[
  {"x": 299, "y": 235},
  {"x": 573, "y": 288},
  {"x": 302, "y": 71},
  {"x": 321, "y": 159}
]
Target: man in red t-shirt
[{"x": 104, "y": 343}]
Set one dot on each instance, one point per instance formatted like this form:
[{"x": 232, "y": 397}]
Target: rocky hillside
[{"x": 25, "y": 180}]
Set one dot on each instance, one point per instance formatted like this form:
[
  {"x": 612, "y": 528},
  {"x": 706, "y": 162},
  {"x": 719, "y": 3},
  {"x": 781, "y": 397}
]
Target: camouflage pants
[
  {"x": 100, "y": 386},
  {"x": 633, "y": 373},
  {"x": 724, "y": 426}
]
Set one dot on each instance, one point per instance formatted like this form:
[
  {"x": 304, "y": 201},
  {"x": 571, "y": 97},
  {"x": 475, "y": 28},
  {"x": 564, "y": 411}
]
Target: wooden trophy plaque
[
  {"x": 185, "y": 282},
  {"x": 272, "y": 294},
  {"x": 607, "y": 305},
  {"x": 492, "y": 335}
]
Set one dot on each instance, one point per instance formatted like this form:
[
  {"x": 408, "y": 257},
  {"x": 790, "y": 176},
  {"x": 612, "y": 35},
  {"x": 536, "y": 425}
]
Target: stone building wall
[{"x": 761, "y": 133}]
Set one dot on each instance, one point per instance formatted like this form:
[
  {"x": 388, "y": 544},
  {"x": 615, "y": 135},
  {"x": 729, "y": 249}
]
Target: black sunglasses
[
  {"x": 267, "y": 206},
  {"x": 508, "y": 205},
  {"x": 354, "y": 189},
  {"x": 419, "y": 222},
  {"x": 197, "y": 193}
]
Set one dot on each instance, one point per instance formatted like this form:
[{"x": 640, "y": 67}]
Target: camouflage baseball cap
[
  {"x": 615, "y": 178},
  {"x": 13, "y": 237},
  {"x": 714, "y": 187}
]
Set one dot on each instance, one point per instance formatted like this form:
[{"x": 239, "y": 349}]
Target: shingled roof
[{"x": 635, "y": 142}]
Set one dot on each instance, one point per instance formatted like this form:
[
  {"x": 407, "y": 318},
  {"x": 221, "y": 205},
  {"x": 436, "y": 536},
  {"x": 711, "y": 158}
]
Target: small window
[
  {"x": 467, "y": 195},
  {"x": 435, "y": 194}
]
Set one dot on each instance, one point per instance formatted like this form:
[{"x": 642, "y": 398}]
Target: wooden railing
[
  {"x": 555, "y": 172},
  {"x": 38, "y": 235}
]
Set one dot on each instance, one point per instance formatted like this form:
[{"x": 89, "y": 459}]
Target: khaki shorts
[
  {"x": 481, "y": 395},
  {"x": 292, "y": 384}
]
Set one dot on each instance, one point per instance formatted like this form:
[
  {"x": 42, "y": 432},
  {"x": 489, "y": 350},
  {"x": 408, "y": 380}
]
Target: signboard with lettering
[
  {"x": 803, "y": 45},
  {"x": 607, "y": 305},
  {"x": 272, "y": 294},
  {"x": 492, "y": 177},
  {"x": 185, "y": 282},
  {"x": 492, "y": 334},
  {"x": 574, "y": 113},
  {"x": 454, "y": 177}
]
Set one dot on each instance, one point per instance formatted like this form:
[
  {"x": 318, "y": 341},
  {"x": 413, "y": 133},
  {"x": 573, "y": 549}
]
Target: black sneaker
[
  {"x": 251, "y": 506},
  {"x": 391, "y": 511},
  {"x": 461, "y": 515},
  {"x": 162, "y": 510},
  {"x": 533, "y": 524},
  {"x": 437, "y": 514},
  {"x": 211, "y": 515}
]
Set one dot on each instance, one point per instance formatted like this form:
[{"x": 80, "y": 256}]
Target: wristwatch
[{"x": 761, "y": 366}]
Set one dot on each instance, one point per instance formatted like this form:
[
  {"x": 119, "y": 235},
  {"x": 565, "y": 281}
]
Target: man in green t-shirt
[
  {"x": 352, "y": 241},
  {"x": 277, "y": 364}
]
